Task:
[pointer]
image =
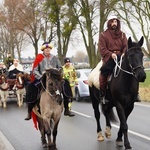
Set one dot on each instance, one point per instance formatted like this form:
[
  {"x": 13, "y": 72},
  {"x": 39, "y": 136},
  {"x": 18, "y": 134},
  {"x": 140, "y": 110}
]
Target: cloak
[{"x": 38, "y": 59}]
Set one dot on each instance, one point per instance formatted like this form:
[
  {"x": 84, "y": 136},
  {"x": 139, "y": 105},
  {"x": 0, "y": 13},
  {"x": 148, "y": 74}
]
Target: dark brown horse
[
  {"x": 122, "y": 92},
  {"x": 51, "y": 106}
]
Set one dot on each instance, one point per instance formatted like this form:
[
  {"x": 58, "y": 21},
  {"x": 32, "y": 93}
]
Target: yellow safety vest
[{"x": 69, "y": 73}]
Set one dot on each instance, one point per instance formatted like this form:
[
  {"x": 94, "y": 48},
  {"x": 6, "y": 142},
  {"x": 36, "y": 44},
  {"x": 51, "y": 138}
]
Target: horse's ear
[
  {"x": 129, "y": 42},
  {"x": 141, "y": 41}
]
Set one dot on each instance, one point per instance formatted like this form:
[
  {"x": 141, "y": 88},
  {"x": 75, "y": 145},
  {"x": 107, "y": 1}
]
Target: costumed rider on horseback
[
  {"x": 113, "y": 44},
  {"x": 14, "y": 69},
  {"x": 42, "y": 62}
]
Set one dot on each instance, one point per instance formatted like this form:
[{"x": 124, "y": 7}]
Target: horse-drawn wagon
[{"x": 13, "y": 88}]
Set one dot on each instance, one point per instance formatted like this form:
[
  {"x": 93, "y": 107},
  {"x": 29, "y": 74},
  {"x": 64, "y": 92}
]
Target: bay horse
[
  {"x": 51, "y": 106},
  {"x": 3, "y": 90},
  {"x": 122, "y": 92}
]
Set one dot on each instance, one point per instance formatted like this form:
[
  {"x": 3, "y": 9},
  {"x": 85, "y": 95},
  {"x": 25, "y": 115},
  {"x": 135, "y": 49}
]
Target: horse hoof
[
  {"x": 45, "y": 145},
  {"x": 108, "y": 133},
  {"x": 100, "y": 137},
  {"x": 119, "y": 143},
  {"x": 128, "y": 148}
]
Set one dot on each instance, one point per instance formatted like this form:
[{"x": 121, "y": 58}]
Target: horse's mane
[{"x": 54, "y": 74}]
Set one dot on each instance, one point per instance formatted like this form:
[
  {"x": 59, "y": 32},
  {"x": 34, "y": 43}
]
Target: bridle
[
  {"x": 118, "y": 65},
  {"x": 57, "y": 92}
]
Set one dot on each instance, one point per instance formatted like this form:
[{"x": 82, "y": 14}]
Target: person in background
[
  {"x": 42, "y": 62},
  {"x": 69, "y": 73},
  {"x": 14, "y": 69},
  {"x": 113, "y": 44},
  {"x": 8, "y": 61},
  {"x": 3, "y": 69}
]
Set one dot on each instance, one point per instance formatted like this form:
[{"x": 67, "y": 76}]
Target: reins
[
  {"x": 56, "y": 92},
  {"x": 118, "y": 65}
]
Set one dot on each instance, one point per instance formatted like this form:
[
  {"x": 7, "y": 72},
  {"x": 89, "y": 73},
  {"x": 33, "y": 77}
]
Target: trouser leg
[
  {"x": 103, "y": 87},
  {"x": 67, "y": 111},
  {"x": 30, "y": 107},
  {"x": 31, "y": 98},
  {"x": 103, "y": 84}
]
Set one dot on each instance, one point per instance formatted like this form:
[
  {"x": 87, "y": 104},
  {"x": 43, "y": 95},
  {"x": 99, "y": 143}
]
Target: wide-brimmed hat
[{"x": 46, "y": 45}]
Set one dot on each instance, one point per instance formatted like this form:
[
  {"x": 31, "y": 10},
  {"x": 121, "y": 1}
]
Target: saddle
[{"x": 32, "y": 93}]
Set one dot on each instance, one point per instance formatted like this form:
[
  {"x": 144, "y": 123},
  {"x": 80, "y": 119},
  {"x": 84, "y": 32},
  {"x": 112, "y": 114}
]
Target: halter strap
[
  {"x": 118, "y": 65},
  {"x": 57, "y": 92}
]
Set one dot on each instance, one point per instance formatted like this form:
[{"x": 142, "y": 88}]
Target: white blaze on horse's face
[
  {"x": 20, "y": 80},
  {"x": 57, "y": 92}
]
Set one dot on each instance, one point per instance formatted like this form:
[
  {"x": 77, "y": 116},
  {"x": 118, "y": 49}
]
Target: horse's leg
[
  {"x": 126, "y": 140},
  {"x": 21, "y": 97},
  {"x": 55, "y": 134},
  {"x": 0, "y": 101},
  {"x": 18, "y": 98},
  {"x": 107, "y": 112},
  {"x": 123, "y": 128},
  {"x": 48, "y": 131},
  {"x": 95, "y": 105},
  {"x": 42, "y": 131},
  {"x": 3, "y": 100}
]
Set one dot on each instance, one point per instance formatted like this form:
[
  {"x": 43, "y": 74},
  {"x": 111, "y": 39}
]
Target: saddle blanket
[{"x": 93, "y": 78}]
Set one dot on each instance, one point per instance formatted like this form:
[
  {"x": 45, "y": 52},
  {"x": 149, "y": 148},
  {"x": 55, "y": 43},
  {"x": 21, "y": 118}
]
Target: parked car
[{"x": 82, "y": 89}]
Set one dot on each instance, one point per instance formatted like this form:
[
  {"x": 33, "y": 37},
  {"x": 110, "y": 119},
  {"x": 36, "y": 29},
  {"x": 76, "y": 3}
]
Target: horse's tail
[{"x": 108, "y": 111}]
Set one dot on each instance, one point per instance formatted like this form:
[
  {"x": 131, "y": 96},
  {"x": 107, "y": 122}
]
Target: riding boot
[
  {"x": 103, "y": 86},
  {"x": 67, "y": 112},
  {"x": 30, "y": 107}
]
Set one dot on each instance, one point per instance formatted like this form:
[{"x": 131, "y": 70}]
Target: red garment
[{"x": 38, "y": 59}]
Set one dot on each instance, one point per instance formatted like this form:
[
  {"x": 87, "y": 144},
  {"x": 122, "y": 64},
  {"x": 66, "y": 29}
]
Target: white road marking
[
  {"x": 4, "y": 143},
  {"x": 84, "y": 115},
  {"x": 135, "y": 133},
  {"x": 132, "y": 132}
]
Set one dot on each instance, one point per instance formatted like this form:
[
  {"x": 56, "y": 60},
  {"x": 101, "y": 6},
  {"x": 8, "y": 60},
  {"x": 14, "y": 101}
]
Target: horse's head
[
  {"x": 3, "y": 78},
  {"x": 134, "y": 55},
  {"x": 20, "y": 78},
  {"x": 52, "y": 82}
]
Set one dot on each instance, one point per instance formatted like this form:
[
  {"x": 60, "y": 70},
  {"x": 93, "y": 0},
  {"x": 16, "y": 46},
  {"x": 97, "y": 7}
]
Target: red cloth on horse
[{"x": 38, "y": 59}]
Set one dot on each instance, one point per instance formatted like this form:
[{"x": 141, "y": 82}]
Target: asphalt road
[{"x": 74, "y": 133}]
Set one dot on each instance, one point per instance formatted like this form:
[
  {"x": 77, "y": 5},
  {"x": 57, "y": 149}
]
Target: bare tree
[{"x": 136, "y": 14}]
